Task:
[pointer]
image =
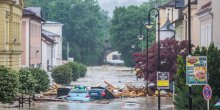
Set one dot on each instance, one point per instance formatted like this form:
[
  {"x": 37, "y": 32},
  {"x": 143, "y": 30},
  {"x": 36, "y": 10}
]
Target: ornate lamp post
[
  {"x": 147, "y": 38},
  {"x": 149, "y": 25},
  {"x": 141, "y": 37}
]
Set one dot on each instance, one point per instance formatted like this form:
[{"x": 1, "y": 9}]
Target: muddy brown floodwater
[{"x": 117, "y": 76}]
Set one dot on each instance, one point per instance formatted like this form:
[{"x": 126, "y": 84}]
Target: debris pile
[
  {"x": 128, "y": 91},
  {"x": 53, "y": 89}
]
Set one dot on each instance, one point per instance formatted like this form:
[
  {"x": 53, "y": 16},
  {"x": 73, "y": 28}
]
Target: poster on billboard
[
  {"x": 162, "y": 80},
  {"x": 196, "y": 70}
]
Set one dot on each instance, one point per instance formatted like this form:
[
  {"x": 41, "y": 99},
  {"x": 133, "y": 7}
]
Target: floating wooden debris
[
  {"x": 129, "y": 90},
  {"x": 53, "y": 89}
]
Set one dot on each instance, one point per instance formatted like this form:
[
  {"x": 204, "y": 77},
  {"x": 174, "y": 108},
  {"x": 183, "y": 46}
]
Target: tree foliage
[
  {"x": 126, "y": 25},
  {"x": 85, "y": 26},
  {"x": 62, "y": 74},
  {"x": 75, "y": 70},
  {"x": 42, "y": 79},
  {"x": 8, "y": 85},
  {"x": 169, "y": 50},
  {"x": 82, "y": 70},
  {"x": 78, "y": 70},
  {"x": 26, "y": 81}
]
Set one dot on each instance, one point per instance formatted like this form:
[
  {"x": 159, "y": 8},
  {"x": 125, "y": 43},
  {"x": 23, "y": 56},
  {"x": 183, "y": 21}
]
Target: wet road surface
[{"x": 140, "y": 103}]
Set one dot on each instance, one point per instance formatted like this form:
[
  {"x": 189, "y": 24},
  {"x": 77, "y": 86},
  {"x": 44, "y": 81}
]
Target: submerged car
[
  {"x": 78, "y": 95},
  {"x": 100, "y": 93}
]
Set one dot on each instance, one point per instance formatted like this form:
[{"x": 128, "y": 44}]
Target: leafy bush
[
  {"x": 42, "y": 79},
  {"x": 62, "y": 74},
  {"x": 82, "y": 70},
  {"x": 75, "y": 70},
  {"x": 8, "y": 85},
  {"x": 26, "y": 81}
]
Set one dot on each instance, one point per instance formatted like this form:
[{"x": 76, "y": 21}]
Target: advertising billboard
[{"x": 196, "y": 70}]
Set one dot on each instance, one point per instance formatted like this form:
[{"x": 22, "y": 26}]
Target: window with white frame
[{"x": 206, "y": 32}]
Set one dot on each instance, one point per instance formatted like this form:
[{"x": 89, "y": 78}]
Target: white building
[
  {"x": 47, "y": 51},
  {"x": 54, "y": 31},
  {"x": 114, "y": 58}
]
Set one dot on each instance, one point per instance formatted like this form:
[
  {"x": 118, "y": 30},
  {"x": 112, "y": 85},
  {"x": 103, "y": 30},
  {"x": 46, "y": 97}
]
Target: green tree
[
  {"x": 85, "y": 26},
  {"x": 26, "y": 81},
  {"x": 8, "y": 85},
  {"x": 126, "y": 25},
  {"x": 62, "y": 74},
  {"x": 213, "y": 55},
  {"x": 42, "y": 79}
]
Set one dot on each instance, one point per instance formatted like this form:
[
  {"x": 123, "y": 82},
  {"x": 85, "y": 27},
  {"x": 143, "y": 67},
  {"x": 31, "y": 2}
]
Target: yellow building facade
[{"x": 10, "y": 33}]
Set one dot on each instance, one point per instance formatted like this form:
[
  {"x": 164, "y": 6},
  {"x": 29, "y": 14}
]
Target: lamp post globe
[
  {"x": 140, "y": 37},
  {"x": 132, "y": 46},
  {"x": 149, "y": 25}
]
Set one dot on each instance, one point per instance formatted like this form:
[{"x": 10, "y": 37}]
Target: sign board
[
  {"x": 163, "y": 80},
  {"x": 196, "y": 70},
  {"x": 207, "y": 92}
]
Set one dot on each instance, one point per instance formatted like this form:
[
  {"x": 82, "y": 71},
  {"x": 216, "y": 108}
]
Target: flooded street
[
  {"x": 140, "y": 103},
  {"x": 117, "y": 76}
]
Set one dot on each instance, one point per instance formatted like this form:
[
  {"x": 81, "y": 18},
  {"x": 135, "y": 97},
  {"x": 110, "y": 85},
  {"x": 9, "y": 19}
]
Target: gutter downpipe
[
  {"x": 30, "y": 42},
  {"x": 41, "y": 66},
  {"x": 52, "y": 51},
  {"x": 185, "y": 22}
]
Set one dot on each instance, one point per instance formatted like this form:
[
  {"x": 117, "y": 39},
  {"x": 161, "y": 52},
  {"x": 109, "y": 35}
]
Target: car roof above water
[
  {"x": 78, "y": 91},
  {"x": 97, "y": 88}
]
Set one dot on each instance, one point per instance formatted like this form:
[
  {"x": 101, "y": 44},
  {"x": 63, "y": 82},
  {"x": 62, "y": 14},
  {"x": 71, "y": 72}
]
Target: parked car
[
  {"x": 100, "y": 93},
  {"x": 61, "y": 92},
  {"x": 78, "y": 95}
]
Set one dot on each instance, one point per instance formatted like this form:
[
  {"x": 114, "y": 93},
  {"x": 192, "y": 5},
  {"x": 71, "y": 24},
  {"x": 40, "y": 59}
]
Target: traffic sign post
[
  {"x": 196, "y": 72},
  {"x": 163, "y": 80},
  {"x": 207, "y": 94}
]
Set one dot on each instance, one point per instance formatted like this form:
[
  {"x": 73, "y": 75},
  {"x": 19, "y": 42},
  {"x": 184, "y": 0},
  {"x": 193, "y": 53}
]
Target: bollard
[
  {"x": 19, "y": 102},
  {"x": 22, "y": 101},
  {"x": 29, "y": 100}
]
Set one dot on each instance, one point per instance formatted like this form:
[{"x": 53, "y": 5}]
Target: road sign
[
  {"x": 207, "y": 92},
  {"x": 162, "y": 80},
  {"x": 196, "y": 70}
]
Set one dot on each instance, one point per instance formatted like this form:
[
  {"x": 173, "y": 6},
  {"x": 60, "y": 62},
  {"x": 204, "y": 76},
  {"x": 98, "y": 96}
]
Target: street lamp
[
  {"x": 132, "y": 46},
  {"x": 149, "y": 25},
  {"x": 147, "y": 37},
  {"x": 141, "y": 37}
]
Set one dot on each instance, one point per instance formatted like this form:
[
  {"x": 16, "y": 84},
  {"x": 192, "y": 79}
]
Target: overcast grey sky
[{"x": 110, "y": 5}]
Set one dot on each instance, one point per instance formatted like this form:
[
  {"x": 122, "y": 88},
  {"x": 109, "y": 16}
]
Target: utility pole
[
  {"x": 67, "y": 52},
  {"x": 189, "y": 38}
]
